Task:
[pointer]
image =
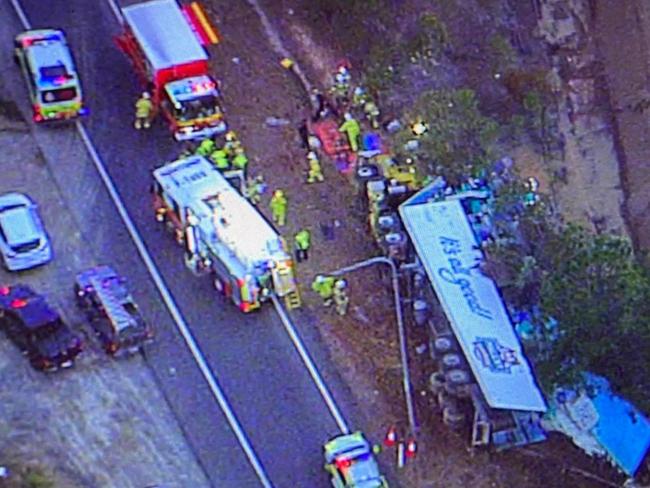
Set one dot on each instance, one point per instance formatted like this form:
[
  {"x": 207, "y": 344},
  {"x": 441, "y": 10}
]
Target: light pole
[{"x": 406, "y": 379}]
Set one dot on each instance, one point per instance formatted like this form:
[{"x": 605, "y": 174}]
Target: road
[{"x": 275, "y": 400}]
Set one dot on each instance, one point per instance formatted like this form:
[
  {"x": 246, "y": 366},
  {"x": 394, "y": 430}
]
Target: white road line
[
  {"x": 116, "y": 10},
  {"x": 21, "y": 14},
  {"x": 174, "y": 311},
  {"x": 311, "y": 367},
  {"x": 164, "y": 292}
]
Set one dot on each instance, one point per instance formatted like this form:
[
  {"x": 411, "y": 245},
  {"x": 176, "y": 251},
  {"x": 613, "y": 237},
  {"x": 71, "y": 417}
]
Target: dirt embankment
[{"x": 622, "y": 32}]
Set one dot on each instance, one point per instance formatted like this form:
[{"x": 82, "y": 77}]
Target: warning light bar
[
  {"x": 200, "y": 24},
  {"x": 29, "y": 41}
]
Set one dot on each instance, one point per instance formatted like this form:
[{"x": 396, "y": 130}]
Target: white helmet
[
  {"x": 340, "y": 284},
  {"x": 347, "y": 116},
  {"x": 358, "y": 91},
  {"x": 146, "y": 95},
  {"x": 311, "y": 155}
]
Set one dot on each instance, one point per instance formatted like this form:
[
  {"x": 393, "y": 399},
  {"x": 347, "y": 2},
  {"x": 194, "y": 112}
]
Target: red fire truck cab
[{"x": 165, "y": 44}]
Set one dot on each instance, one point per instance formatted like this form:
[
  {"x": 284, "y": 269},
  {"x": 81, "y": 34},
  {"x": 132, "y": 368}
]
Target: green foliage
[
  {"x": 531, "y": 90},
  {"x": 429, "y": 41},
  {"x": 382, "y": 67},
  {"x": 502, "y": 54},
  {"x": 599, "y": 293},
  {"x": 460, "y": 139},
  {"x": 596, "y": 289},
  {"x": 36, "y": 479}
]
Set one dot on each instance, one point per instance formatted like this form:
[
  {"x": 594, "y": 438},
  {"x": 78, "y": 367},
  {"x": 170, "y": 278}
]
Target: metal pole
[{"x": 408, "y": 396}]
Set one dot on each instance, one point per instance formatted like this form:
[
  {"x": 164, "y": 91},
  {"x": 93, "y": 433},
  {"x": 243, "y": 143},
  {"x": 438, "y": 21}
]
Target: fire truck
[
  {"x": 165, "y": 43},
  {"x": 223, "y": 234}
]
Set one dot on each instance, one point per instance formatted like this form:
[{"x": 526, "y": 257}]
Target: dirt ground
[{"x": 364, "y": 344}]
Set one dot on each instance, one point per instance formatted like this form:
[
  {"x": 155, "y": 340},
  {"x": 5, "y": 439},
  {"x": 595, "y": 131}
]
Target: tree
[
  {"x": 460, "y": 139},
  {"x": 598, "y": 291}
]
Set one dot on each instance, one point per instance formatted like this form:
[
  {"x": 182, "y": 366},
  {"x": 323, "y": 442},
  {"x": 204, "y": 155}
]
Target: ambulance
[{"x": 49, "y": 70}]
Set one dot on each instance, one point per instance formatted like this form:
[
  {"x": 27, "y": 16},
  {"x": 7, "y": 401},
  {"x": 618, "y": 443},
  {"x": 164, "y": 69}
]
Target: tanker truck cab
[{"x": 49, "y": 69}]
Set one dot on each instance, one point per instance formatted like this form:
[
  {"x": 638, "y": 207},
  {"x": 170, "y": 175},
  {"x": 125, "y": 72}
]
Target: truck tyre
[
  {"x": 443, "y": 344},
  {"x": 457, "y": 377},
  {"x": 436, "y": 382},
  {"x": 451, "y": 361},
  {"x": 453, "y": 418},
  {"x": 445, "y": 400}
]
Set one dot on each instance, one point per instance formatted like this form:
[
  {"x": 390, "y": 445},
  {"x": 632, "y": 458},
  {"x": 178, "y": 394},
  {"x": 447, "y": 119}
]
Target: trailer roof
[
  {"x": 196, "y": 184},
  {"x": 447, "y": 247},
  {"x": 163, "y": 33}
]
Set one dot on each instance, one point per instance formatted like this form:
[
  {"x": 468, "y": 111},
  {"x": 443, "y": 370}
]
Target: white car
[{"x": 23, "y": 241}]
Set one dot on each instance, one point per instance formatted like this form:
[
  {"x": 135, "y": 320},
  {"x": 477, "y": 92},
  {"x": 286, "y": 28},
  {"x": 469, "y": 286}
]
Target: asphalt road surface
[{"x": 252, "y": 357}]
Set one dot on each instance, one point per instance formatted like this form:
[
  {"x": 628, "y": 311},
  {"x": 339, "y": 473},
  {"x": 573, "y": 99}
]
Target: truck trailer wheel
[
  {"x": 436, "y": 382},
  {"x": 451, "y": 361},
  {"x": 443, "y": 344},
  {"x": 453, "y": 418},
  {"x": 457, "y": 377}
]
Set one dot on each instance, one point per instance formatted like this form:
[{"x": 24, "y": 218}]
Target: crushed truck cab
[
  {"x": 165, "y": 46},
  {"x": 223, "y": 233}
]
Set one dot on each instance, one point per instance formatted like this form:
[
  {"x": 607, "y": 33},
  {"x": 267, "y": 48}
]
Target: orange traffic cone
[
  {"x": 411, "y": 448},
  {"x": 391, "y": 437}
]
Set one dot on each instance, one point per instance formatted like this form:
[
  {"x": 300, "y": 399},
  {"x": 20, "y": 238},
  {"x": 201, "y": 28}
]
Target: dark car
[
  {"x": 103, "y": 296},
  {"x": 37, "y": 329}
]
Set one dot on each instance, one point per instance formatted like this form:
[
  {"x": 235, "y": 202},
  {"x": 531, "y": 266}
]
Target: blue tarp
[{"x": 622, "y": 430}]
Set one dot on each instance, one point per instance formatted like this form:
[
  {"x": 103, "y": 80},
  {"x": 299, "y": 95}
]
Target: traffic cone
[
  {"x": 411, "y": 448},
  {"x": 391, "y": 437}
]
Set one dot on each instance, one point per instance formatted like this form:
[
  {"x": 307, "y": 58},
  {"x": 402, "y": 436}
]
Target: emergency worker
[
  {"x": 143, "y": 111},
  {"x": 324, "y": 286},
  {"x": 278, "y": 206},
  {"x": 359, "y": 97},
  {"x": 371, "y": 111},
  {"x": 220, "y": 159},
  {"x": 302, "y": 242},
  {"x": 315, "y": 172},
  {"x": 341, "y": 88},
  {"x": 252, "y": 190},
  {"x": 206, "y": 147},
  {"x": 233, "y": 145},
  {"x": 352, "y": 130},
  {"x": 341, "y": 299},
  {"x": 240, "y": 161}
]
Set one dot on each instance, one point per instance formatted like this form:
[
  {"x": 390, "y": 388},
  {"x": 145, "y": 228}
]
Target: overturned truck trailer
[{"x": 479, "y": 370}]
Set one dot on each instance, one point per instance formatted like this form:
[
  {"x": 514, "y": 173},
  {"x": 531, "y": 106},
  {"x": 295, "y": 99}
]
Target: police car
[
  {"x": 350, "y": 462},
  {"x": 49, "y": 69},
  {"x": 37, "y": 329}
]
